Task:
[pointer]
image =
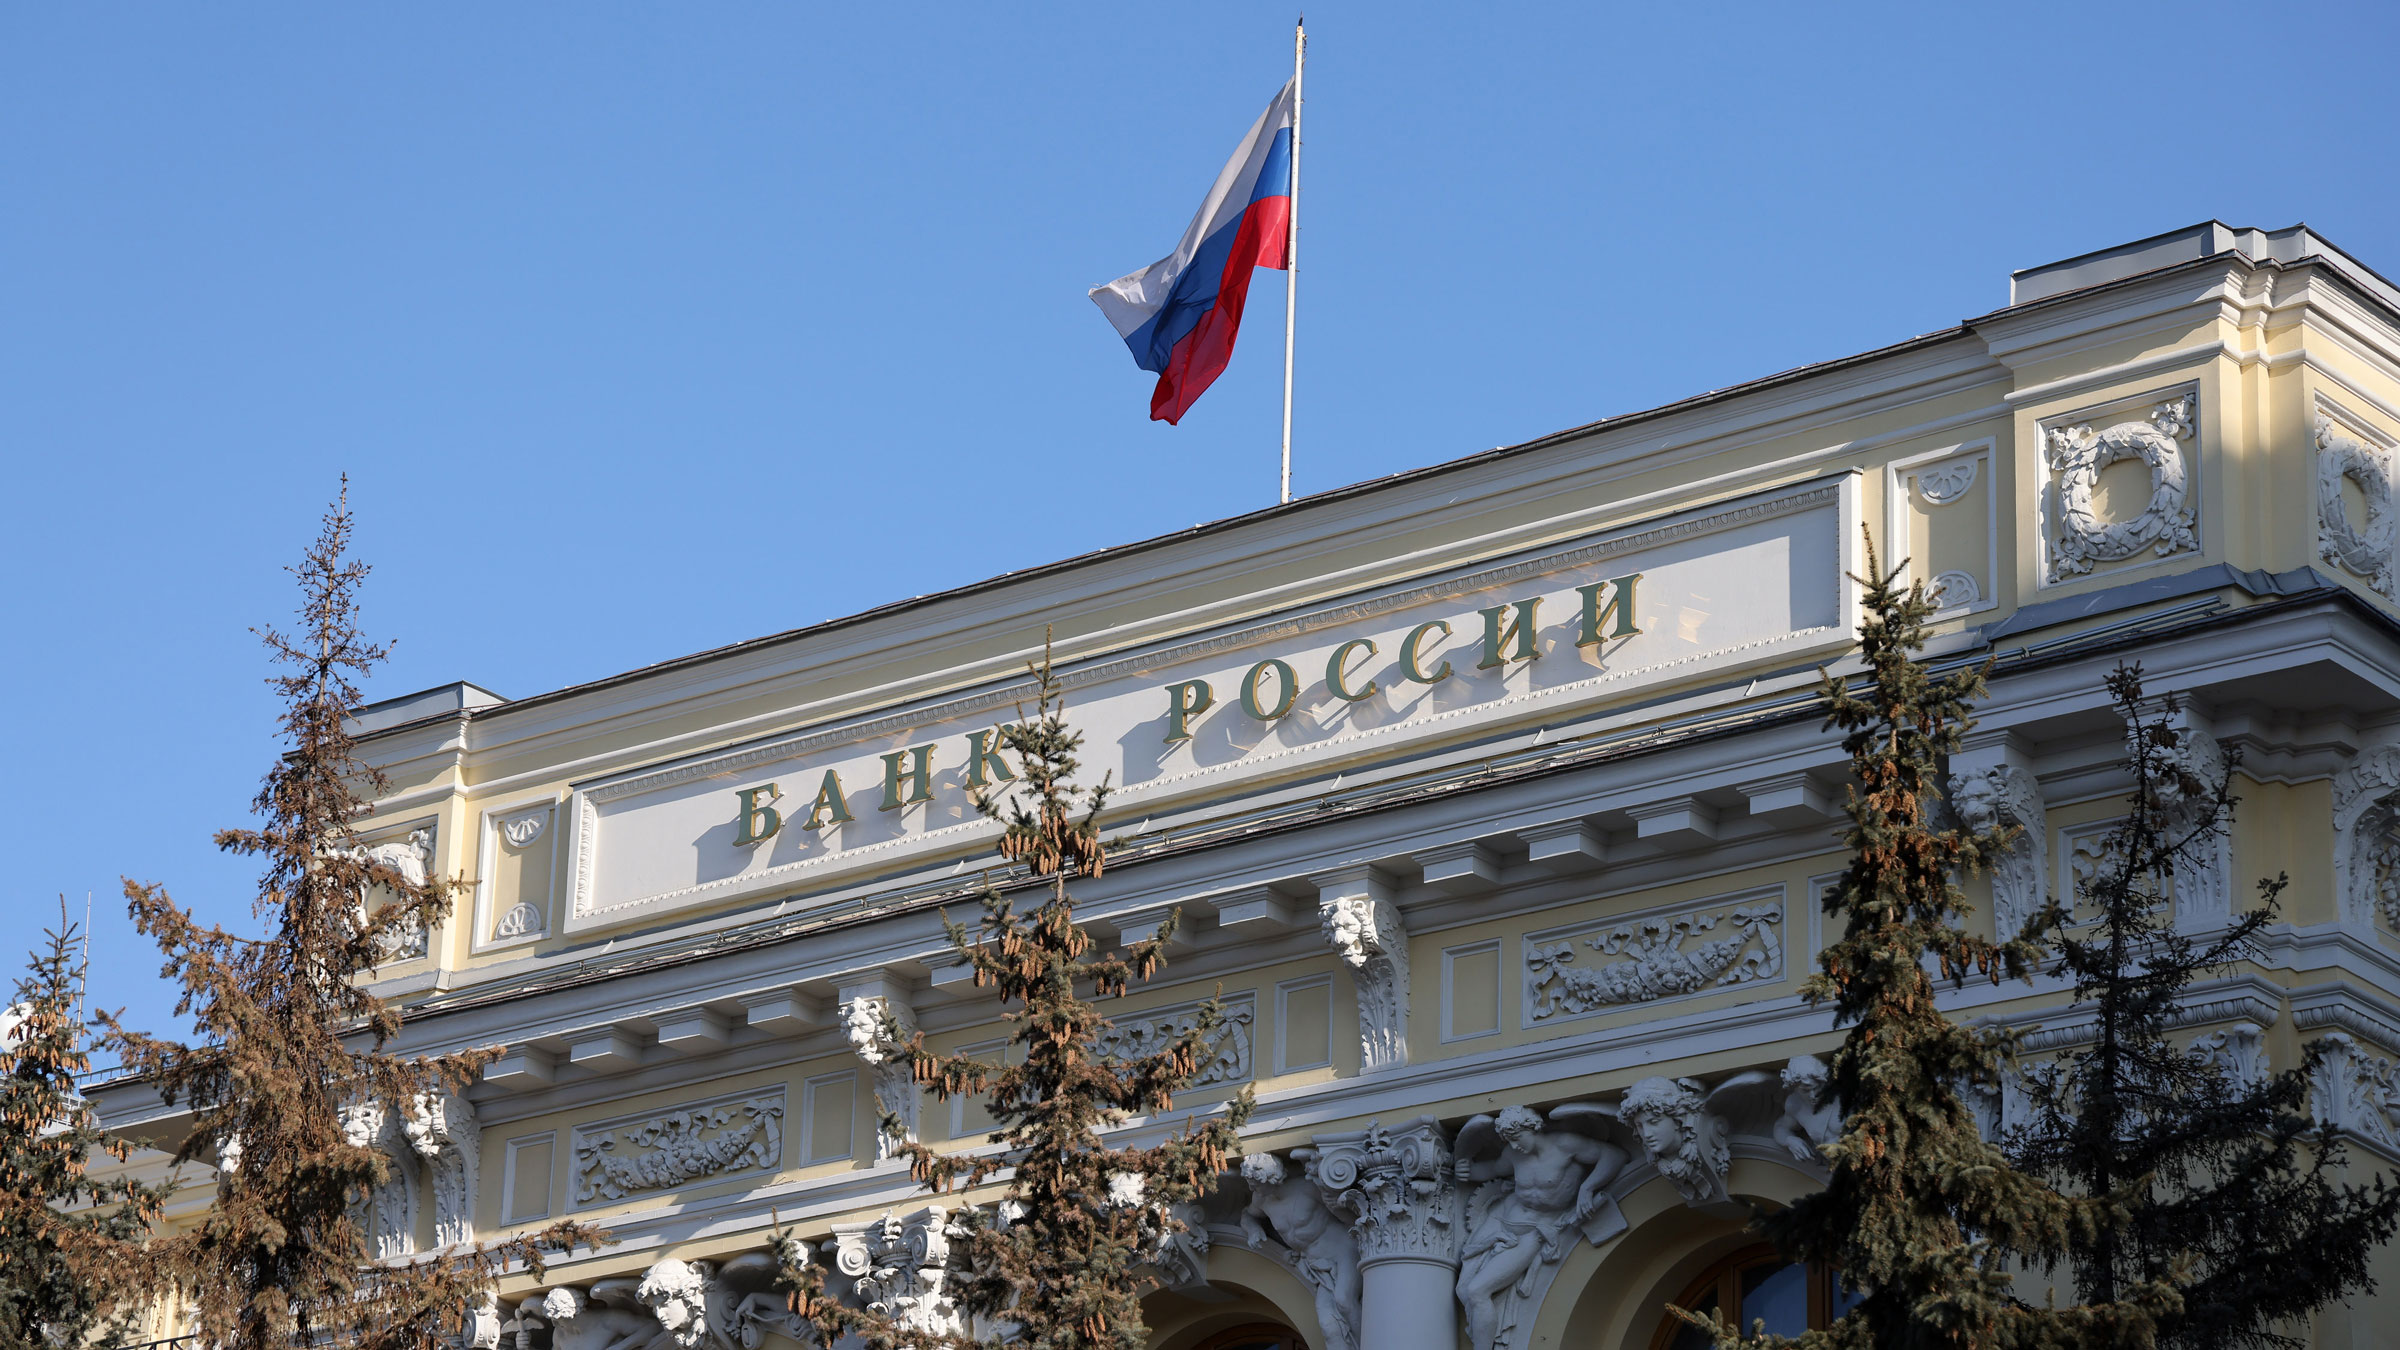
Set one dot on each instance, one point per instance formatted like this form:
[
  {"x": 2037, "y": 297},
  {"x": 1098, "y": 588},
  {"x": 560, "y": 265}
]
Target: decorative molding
[
  {"x": 2239, "y": 1052},
  {"x": 1944, "y": 483},
  {"x": 2366, "y": 554},
  {"x": 444, "y": 1133},
  {"x": 1365, "y": 931},
  {"x": 705, "y": 1141},
  {"x": 2356, "y": 1092},
  {"x": 869, "y": 1021},
  {"x": 523, "y": 919},
  {"x": 1953, "y": 590},
  {"x": 1670, "y": 954},
  {"x": 390, "y": 1217},
  {"x": 901, "y": 1268},
  {"x": 2008, "y": 795},
  {"x": 2204, "y": 869},
  {"x": 1397, "y": 1187},
  {"x": 1287, "y": 1217},
  {"x": 522, "y": 830},
  {"x": 2078, "y": 539},
  {"x": 2366, "y": 835},
  {"x": 1227, "y": 1056},
  {"x": 408, "y": 851}
]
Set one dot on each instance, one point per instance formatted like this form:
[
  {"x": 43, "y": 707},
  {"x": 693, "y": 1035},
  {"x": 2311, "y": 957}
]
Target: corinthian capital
[{"x": 1397, "y": 1187}]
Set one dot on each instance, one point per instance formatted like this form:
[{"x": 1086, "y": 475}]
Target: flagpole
[{"x": 1291, "y": 252}]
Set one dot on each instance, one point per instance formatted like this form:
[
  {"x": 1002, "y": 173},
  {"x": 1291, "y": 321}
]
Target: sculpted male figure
[
  {"x": 1547, "y": 1183},
  {"x": 1322, "y": 1244}
]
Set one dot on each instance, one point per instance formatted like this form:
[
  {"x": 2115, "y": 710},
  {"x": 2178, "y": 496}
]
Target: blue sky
[{"x": 642, "y": 329}]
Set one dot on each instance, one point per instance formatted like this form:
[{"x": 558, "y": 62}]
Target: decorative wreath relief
[
  {"x": 2165, "y": 526},
  {"x": 2362, "y": 553}
]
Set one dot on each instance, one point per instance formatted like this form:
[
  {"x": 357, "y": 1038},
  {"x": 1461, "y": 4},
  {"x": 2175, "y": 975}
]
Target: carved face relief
[
  {"x": 677, "y": 1292},
  {"x": 1263, "y": 1169}
]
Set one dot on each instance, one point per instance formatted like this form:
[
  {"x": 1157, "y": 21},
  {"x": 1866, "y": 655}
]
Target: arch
[
  {"x": 1244, "y": 1287},
  {"x": 1613, "y": 1295}
]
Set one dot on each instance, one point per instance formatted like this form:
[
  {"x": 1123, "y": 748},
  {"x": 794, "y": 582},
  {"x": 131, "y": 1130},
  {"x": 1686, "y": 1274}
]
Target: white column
[{"x": 1397, "y": 1188}]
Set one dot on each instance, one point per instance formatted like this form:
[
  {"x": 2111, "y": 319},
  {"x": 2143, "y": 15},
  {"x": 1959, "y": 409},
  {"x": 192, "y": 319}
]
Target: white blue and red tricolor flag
[{"x": 1180, "y": 314}]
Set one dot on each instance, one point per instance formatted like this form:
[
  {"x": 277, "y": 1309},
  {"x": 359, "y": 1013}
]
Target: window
[{"x": 1789, "y": 1298}]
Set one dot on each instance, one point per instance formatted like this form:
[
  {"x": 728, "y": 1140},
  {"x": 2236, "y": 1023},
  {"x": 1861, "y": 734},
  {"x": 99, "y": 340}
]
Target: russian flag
[{"x": 1180, "y": 314}]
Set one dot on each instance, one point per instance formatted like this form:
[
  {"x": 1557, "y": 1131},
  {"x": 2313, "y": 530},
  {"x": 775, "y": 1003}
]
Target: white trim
[
  {"x": 1450, "y": 958},
  {"x": 1283, "y": 1040},
  {"x": 508, "y": 1178},
  {"x": 1982, "y": 453},
  {"x": 809, "y": 1153},
  {"x": 487, "y": 857}
]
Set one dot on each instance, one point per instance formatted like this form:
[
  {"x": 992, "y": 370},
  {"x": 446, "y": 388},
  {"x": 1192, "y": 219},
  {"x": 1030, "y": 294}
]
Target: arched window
[
  {"x": 1256, "y": 1336},
  {"x": 1755, "y": 1284}
]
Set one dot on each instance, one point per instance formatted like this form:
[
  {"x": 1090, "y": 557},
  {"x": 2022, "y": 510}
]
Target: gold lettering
[
  {"x": 757, "y": 822},
  {"x": 918, "y": 774},
  {"x": 1291, "y": 690},
  {"x": 830, "y": 808},
  {"x": 1411, "y": 664},
  {"x": 1499, "y": 633},
  {"x": 1620, "y": 606},
  {"x": 1337, "y": 681},
  {"x": 1186, "y": 701},
  {"x": 983, "y": 752}
]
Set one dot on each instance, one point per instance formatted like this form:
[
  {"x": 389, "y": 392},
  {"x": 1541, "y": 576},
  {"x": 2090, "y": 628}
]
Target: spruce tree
[
  {"x": 1055, "y": 1265},
  {"x": 63, "y": 1231},
  {"x": 289, "y": 1036},
  {"x": 2230, "y": 1178},
  {"x": 1920, "y": 1211}
]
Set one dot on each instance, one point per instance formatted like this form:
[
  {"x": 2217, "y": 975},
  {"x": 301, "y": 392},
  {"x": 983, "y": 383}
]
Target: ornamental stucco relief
[
  {"x": 616, "y": 1159},
  {"x": 2345, "y": 460},
  {"x": 2008, "y": 795},
  {"x": 2366, "y": 835},
  {"x": 1227, "y": 1056},
  {"x": 2078, "y": 539},
  {"x": 2356, "y": 1091},
  {"x": 1712, "y": 945}
]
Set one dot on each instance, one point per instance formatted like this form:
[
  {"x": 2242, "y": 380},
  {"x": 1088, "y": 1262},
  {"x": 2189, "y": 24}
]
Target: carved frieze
[
  {"x": 1227, "y": 1058},
  {"x": 2078, "y": 538},
  {"x": 1591, "y": 968},
  {"x": 2365, "y": 550},
  {"x": 705, "y": 1141}
]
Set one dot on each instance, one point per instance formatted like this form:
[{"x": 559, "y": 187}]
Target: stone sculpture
[
  {"x": 1810, "y": 1119},
  {"x": 1685, "y": 1140},
  {"x": 1290, "y": 1212},
  {"x": 1542, "y": 1188}
]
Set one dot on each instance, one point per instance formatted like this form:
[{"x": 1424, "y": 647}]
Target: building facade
[{"x": 1494, "y": 798}]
